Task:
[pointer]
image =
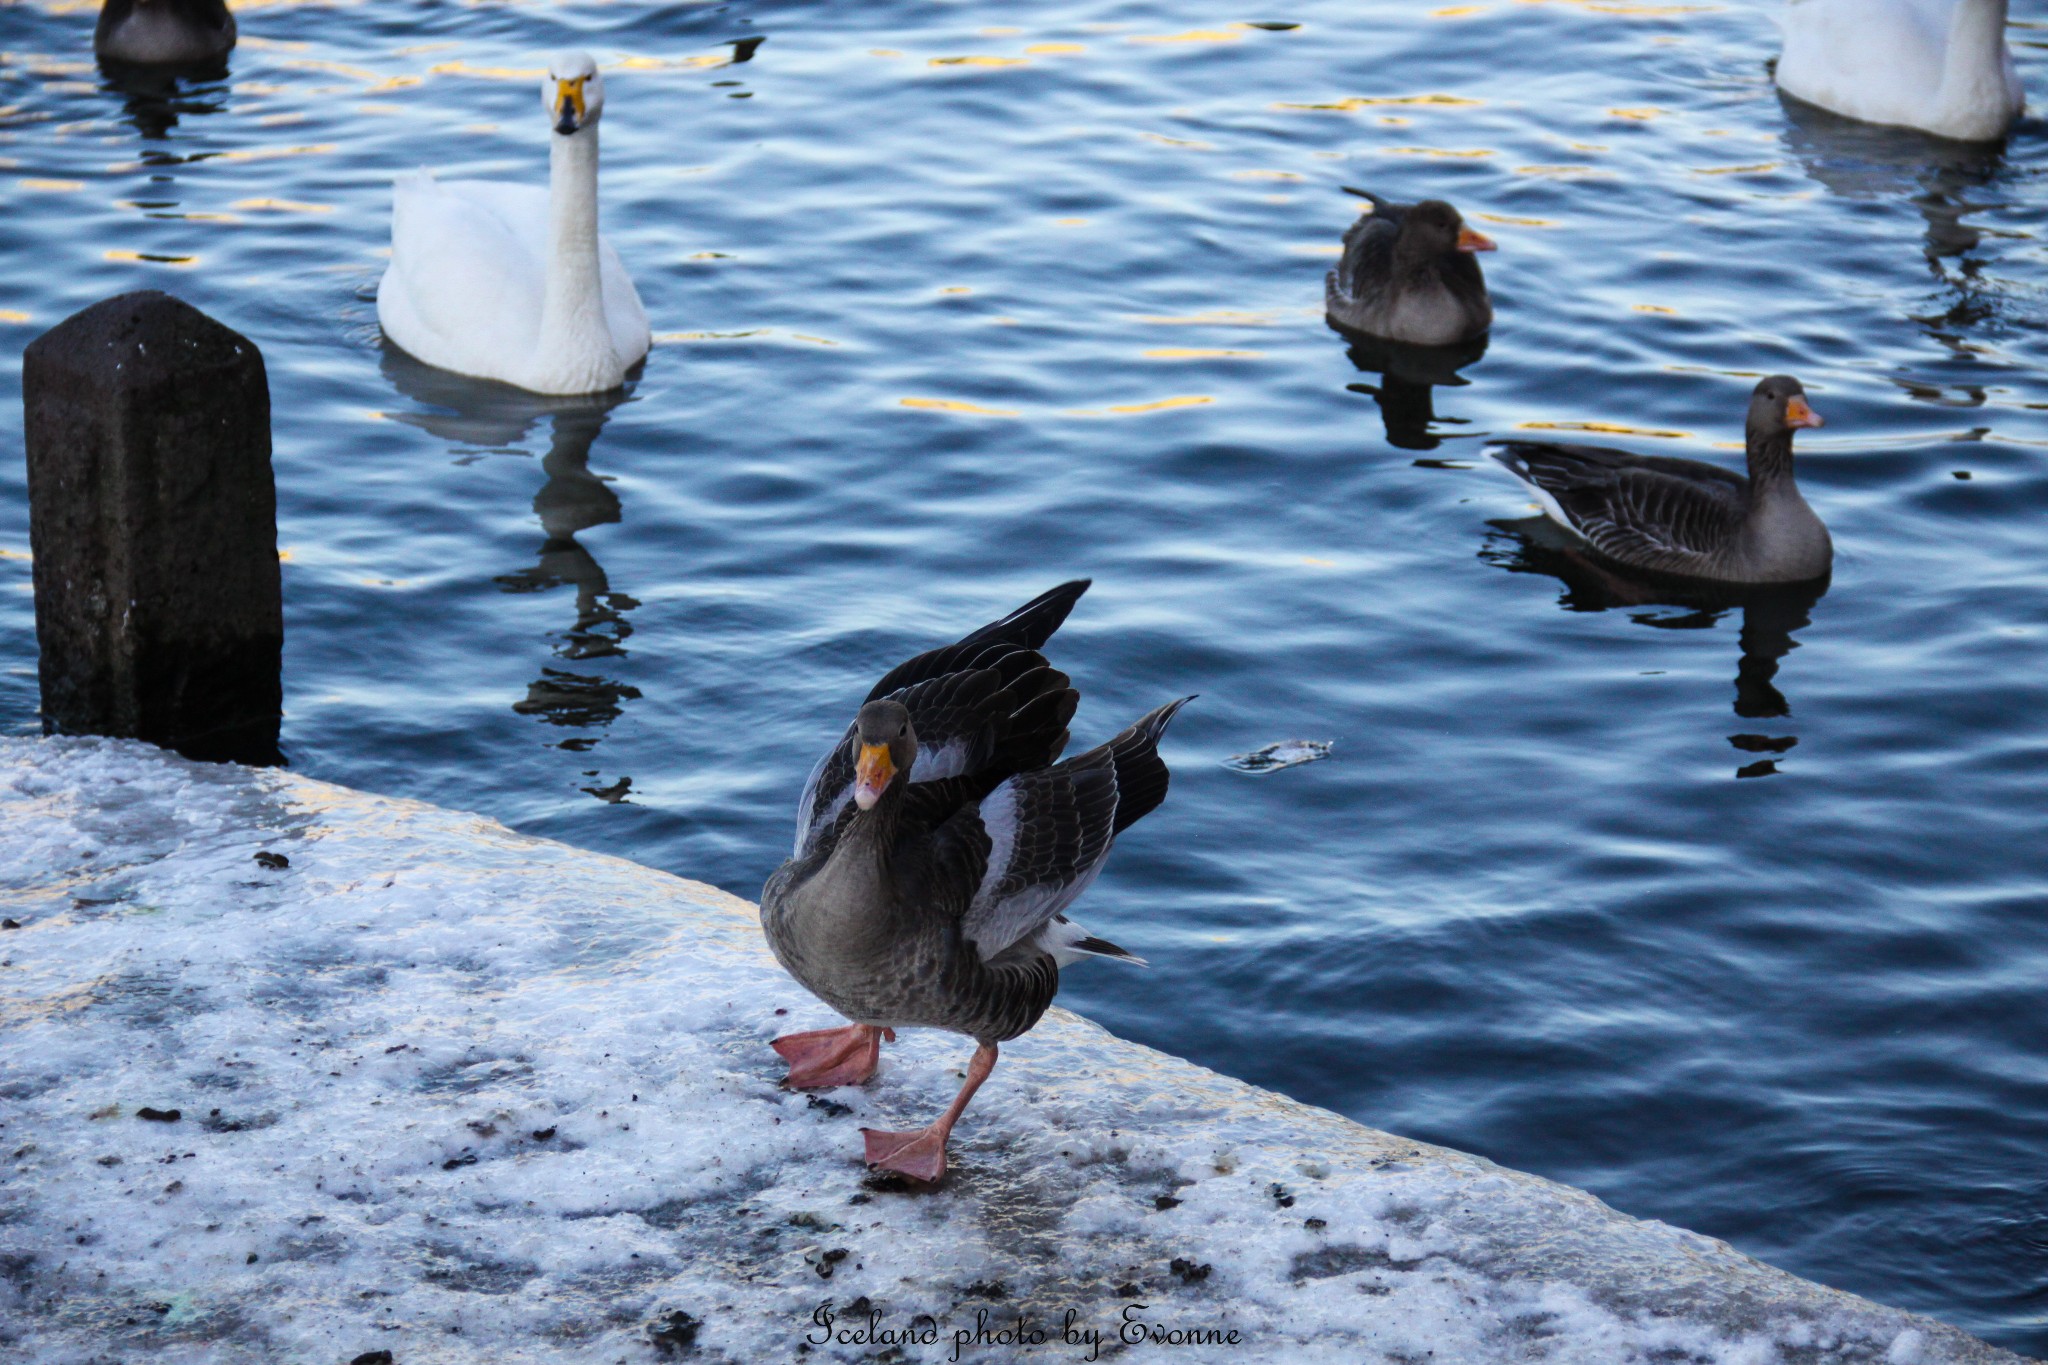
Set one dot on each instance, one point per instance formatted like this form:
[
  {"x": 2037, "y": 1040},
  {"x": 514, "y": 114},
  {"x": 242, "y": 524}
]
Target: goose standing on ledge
[
  {"x": 512, "y": 282},
  {"x": 938, "y": 844},
  {"x": 1408, "y": 274},
  {"x": 1683, "y": 517},
  {"x": 1938, "y": 65},
  {"x": 164, "y": 32}
]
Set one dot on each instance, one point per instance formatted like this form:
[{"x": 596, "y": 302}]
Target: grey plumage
[
  {"x": 942, "y": 904},
  {"x": 1683, "y": 517},
  {"x": 164, "y": 32},
  {"x": 1408, "y": 274}
]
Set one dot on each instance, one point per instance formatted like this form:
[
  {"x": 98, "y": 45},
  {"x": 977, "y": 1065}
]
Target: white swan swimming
[
  {"x": 512, "y": 282},
  {"x": 1937, "y": 65}
]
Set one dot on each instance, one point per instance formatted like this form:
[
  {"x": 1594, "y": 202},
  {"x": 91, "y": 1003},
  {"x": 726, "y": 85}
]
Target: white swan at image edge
[
  {"x": 513, "y": 282},
  {"x": 1938, "y": 65}
]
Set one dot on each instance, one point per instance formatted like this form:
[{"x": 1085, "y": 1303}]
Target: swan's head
[
  {"x": 886, "y": 747},
  {"x": 572, "y": 92}
]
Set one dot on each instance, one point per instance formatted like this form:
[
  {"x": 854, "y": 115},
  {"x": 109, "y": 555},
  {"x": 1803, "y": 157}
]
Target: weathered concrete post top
[{"x": 153, "y": 520}]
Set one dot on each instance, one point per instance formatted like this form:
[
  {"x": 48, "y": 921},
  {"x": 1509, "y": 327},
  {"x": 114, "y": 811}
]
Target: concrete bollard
[{"x": 153, "y": 520}]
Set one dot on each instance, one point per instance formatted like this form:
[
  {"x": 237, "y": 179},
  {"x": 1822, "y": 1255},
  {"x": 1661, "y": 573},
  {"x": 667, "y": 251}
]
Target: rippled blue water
[{"x": 1736, "y": 916}]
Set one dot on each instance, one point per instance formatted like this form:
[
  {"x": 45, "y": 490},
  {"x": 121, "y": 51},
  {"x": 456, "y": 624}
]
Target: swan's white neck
[
  {"x": 1974, "y": 80},
  {"x": 575, "y": 348}
]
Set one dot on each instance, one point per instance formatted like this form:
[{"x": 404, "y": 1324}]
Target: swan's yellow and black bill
[
  {"x": 1798, "y": 414},
  {"x": 1468, "y": 240},
  {"x": 569, "y": 103},
  {"x": 872, "y": 772}
]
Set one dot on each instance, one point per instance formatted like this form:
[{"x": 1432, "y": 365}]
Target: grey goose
[
  {"x": 164, "y": 32},
  {"x": 1408, "y": 273},
  {"x": 939, "y": 844},
  {"x": 1684, "y": 517}
]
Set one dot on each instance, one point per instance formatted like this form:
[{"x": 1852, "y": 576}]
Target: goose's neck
[
  {"x": 1770, "y": 462},
  {"x": 1973, "y": 70},
  {"x": 572, "y": 317}
]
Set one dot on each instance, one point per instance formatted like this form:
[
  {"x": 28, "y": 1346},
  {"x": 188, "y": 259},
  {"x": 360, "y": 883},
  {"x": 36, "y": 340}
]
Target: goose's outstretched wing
[
  {"x": 1014, "y": 860},
  {"x": 985, "y": 707},
  {"x": 1646, "y": 510}
]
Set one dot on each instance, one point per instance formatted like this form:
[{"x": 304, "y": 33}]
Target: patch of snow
[{"x": 468, "y": 1096}]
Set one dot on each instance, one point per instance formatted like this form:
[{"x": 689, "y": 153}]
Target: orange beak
[
  {"x": 872, "y": 772},
  {"x": 1797, "y": 414},
  {"x": 1468, "y": 240}
]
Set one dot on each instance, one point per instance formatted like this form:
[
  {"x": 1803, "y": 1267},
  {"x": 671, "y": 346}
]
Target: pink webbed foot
[
  {"x": 920, "y": 1155},
  {"x": 832, "y": 1056}
]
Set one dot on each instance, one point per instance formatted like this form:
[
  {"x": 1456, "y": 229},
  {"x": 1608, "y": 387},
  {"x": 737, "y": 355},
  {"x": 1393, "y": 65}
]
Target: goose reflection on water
[
  {"x": 476, "y": 417},
  {"x": 1409, "y": 377},
  {"x": 154, "y": 98},
  {"x": 1770, "y": 617}
]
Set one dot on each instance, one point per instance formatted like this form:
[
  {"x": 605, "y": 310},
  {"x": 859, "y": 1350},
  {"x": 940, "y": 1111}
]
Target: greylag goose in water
[
  {"x": 1409, "y": 274},
  {"x": 1683, "y": 517},
  {"x": 938, "y": 845},
  {"x": 164, "y": 32}
]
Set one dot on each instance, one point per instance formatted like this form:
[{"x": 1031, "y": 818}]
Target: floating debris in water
[{"x": 1286, "y": 754}]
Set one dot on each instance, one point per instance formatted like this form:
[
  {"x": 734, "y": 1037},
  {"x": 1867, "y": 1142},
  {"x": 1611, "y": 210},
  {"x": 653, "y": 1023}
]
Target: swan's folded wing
[
  {"x": 625, "y": 317},
  {"x": 465, "y": 272}
]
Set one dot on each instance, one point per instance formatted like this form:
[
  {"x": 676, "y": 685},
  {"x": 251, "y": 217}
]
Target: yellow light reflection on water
[
  {"x": 1133, "y": 409},
  {"x": 281, "y": 206},
  {"x": 952, "y": 405},
  {"x": 1220, "y": 318},
  {"x": 1604, "y": 429},
  {"x": 1355, "y": 102},
  {"x": 150, "y": 258}
]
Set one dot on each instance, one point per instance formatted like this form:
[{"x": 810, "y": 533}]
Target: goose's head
[
  {"x": 885, "y": 749},
  {"x": 1433, "y": 228},
  {"x": 1778, "y": 407},
  {"x": 572, "y": 92}
]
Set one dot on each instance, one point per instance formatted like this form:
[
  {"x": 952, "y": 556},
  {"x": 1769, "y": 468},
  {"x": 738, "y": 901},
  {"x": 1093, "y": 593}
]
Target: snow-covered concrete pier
[{"x": 291, "y": 1073}]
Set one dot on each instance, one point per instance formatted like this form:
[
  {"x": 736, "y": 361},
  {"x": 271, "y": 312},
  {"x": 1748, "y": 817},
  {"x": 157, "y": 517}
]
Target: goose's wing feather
[
  {"x": 468, "y": 258},
  {"x": 1368, "y": 261},
  {"x": 1028, "y": 627},
  {"x": 983, "y": 708},
  {"x": 978, "y": 725},
  {"x": 1633, "y": 508},
  {"x": 1014, "y": 860}
]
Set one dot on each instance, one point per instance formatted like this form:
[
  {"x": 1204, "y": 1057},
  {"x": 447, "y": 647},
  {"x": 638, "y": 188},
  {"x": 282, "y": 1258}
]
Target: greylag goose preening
[
  {"x": 1409, "y": 274},
  {"x": 1683, "y": 517},
  {"x": 1938, "y": 65},
  {"x": 164, "y": 32},
  {"x": 938, "y": 845}
]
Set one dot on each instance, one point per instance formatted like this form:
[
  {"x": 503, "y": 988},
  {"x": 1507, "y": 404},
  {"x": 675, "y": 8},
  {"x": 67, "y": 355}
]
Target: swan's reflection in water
[
  {"x": 1770, "y": 618},
  {"x": 1409, "y": 377},
  {"x": 1938, "y": 178},
  {"x": 476, "y": 417}
]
